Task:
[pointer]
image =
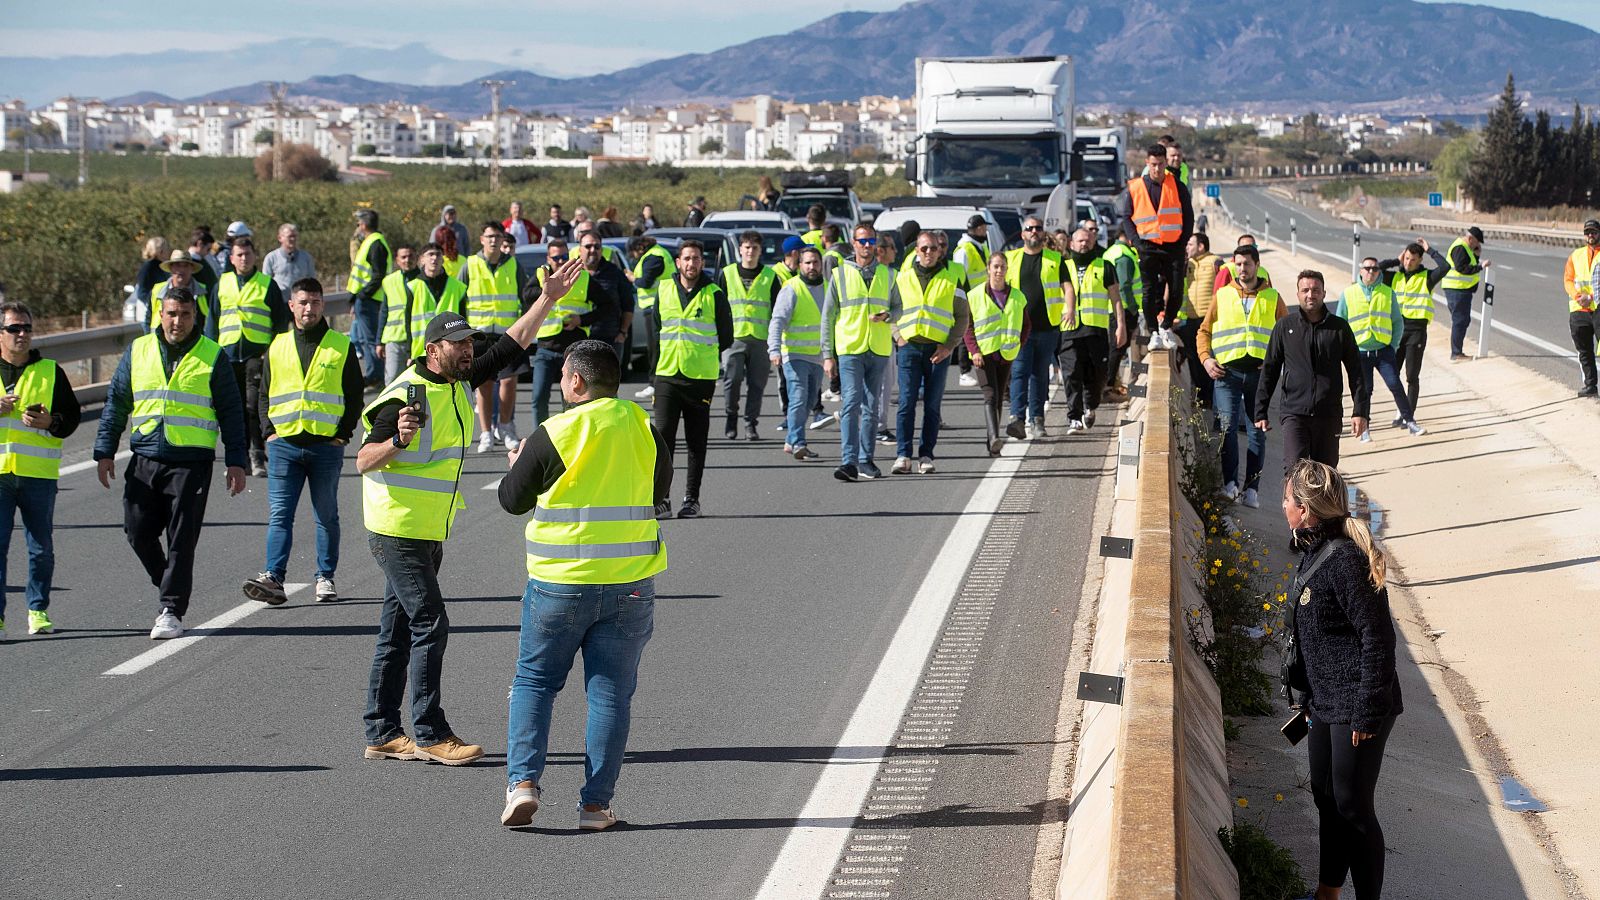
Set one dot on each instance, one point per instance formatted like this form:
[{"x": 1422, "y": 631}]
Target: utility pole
[
  {"x": 83, "y": 145},
  {"x": 278, "y": 92},
  {"x": 494, "y": 151}
]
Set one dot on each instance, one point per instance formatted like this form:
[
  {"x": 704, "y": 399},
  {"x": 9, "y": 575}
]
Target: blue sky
[{"x": 560, "y": 38}]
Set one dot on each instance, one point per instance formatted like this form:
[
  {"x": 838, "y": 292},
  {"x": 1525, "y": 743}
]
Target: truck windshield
[
  {"x": 963, "y": 162},
  {"x": 1101, "y": 174}
]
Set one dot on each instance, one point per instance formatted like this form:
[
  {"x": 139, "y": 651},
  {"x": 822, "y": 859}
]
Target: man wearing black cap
[
  {"x": 1583, "y": 319},
  {"x": 410, "y": 463},
  {"x": 1466, "y": 270},
  {"x": 697, "y": 213}
]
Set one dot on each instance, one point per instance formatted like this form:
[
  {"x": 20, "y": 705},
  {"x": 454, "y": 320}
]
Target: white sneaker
[
  {"x": 646, "y": 392},
  {"x": 597, "y": 820},
  {"x": 521, "y": 804},
  {"x": 508, "y": 435},
  {"x": 485, "y": 441},
  {"x": 1155, "y": 340},
  {"x": 830, "y": 396},
  {"x": 1035, "y": 431},
  {"x": 925, "y": 466},
  {"x": 1251, "y": 499},
  {"x": 1075, "y": 425},
  {"x": 326, "y": 592},
  {"x": 1366, "y": 436},
  {"x": 1088, "y": 419},
  {"x": 824, "y": 421},
  {"x": 168, "y": 626},
  {"x": 1415, "y": 429},
  {"x": 968, "y": 379},
  {"x": 902, "y": 465},
  {"x": 1047, "y": 406},
  {"x": 1231, "y": 491}
]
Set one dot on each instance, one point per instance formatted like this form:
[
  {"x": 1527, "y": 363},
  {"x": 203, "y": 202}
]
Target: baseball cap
[
  {"x": 449, "y": 327},
  {"x": 792, "y": 243},
  {"x": 1476, "y": 232},
  {"x": 976, "y": 220},
  {"x": 240, "y": 229},
  {"x": 1592, "y": 225}
]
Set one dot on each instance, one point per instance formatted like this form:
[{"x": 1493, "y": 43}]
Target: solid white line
[
  {"x": 493, "y": 485},
  {"x": 810, "y": 853},
  {"x": 192, "y": 635},
  {"x": 92, "y": 463}
]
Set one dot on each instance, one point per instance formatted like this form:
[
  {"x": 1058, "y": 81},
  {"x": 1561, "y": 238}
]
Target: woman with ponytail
[{"x": 1347, "y": 644}]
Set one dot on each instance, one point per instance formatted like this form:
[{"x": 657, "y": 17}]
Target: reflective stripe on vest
[
  {"x": 361, "y": 273},
  {"x": 180, "y": 406},
  {"x": 30, "y": 452},
  {"x": 688, "y": 332},
  {"x": 574, "y": 302},
  {"x": 416, "y": 495},
  {"x": 1135, "y": 291},
  {"x": 802, "y": 335},
  {"x": 751, "y": 306},
  {"x": 928, "y": 314},
  {"x": 396, "y": 297},
  {"x": 596, "y": 524},
  {"x": 1411, "y": 292},
  {"x": 645, "y": 298},
  {"x": 1582, "y": 272},
  {"x": 973, "y": 257},
  {"x": 1455, "y": 281},
  {"x": 997, "y": 329},
  {"x": 1235, "y": 335},
  {"x": 1163, "y": 225},
  {"x": 244, "y": 313},
  {"x": 1055, "y": 299},
  {"x": 1093, "y": 297},
  {"x": 1372, "y": 319},
  {"x": 424, "y": 306},
  {"x": 857, "y": 301},
  {"x": 312, "y": 401},
  {"x": 492, "y": 302}
]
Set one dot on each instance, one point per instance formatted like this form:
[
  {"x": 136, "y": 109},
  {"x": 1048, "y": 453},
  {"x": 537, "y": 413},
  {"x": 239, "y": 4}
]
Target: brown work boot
[
  {"x": 451, "y": 751},
  {"x": 401, "y": 747}
]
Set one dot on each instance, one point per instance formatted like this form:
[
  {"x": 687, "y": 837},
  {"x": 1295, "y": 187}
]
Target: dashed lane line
[
  {"x": 192, "y": 636},
  {"x": 92, "y": 463}
]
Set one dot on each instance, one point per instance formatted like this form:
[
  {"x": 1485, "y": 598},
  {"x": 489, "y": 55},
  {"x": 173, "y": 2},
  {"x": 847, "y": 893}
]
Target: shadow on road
[{"x": 89, "y": 773}]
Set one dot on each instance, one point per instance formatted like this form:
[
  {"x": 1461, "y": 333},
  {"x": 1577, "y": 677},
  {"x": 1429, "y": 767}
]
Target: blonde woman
[
  {"x": 156, "y": 252},
  {"x": 1340, "y": 620}
]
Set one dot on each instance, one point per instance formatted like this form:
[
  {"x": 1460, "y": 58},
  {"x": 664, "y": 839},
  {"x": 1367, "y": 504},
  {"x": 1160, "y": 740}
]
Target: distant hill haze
[{"x": 1138, "y": 54}]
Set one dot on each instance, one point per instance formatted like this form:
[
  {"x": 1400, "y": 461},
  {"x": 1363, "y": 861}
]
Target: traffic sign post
[
  {"x": 1213, "y": 191},
  {"x": 1487, "y": 320},
  {"x": 1294, "y": 238},
  {"x": 1266, "y": 229},
  {"x": 1355, "y": 251},
  {"x": 1436, "y": 199}
]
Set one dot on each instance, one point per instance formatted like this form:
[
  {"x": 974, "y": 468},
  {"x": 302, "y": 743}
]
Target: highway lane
[
  {"x": 1528, "y": 292},
  {"x": 234, "y": 764}
]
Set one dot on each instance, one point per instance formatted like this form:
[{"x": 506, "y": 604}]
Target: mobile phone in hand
[
  {"x": 1296, "y": 729},
  {"x": 416, "y": 399}
]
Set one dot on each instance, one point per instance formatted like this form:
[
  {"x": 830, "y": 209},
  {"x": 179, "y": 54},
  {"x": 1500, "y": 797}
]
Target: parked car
[
  {"x": 936, "y": 213},
  {"x": 831, "y": 189},
  {"x": 740, "y": 220},
  {"x": 721, "y": 246},
  {"x": 533, "y": 256},
  {"x": 869, "y": 211}
]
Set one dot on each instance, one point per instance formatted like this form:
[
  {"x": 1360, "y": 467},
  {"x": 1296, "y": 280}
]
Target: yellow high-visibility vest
[{"x": 310, "y": 401}]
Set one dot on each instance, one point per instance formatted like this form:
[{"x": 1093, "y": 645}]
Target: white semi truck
[
  {"x": 1104, "y": 152},
  {"x": 999, "y": 128}
]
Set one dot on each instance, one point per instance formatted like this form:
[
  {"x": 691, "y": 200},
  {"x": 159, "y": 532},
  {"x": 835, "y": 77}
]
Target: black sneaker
[
  {"x": 1015, "y": 429},
  {"x": 846, "y": 472},
  {"x": 664, "y": 509},
  {"x": 690, "y": 509},
  {"x": 869, "y": 470},
  {"x": 732, "y": 433},
  {"x": 265, "y": 588},
  {"x": 1589, "y": 391},
  {"x": 751, "y": 432}
]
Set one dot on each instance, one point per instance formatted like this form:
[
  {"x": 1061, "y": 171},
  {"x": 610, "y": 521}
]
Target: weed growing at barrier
[
  {"x": 1267, "y": 871},
  {"x": 1242, "y": 611}
]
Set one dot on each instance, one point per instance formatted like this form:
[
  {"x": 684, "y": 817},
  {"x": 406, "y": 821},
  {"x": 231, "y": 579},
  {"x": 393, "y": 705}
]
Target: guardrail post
[
  {"x": 1487, "y": 320},
  {"x": 1294, "y": 239},
  {"x": 1355, "y": 251},
  {"x": 1266, "y": 229}
]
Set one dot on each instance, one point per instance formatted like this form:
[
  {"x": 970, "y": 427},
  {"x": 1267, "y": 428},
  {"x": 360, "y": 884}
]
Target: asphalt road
[
  {"x": 1529, "y": 297},
  {"x": 233, "y": 766}
]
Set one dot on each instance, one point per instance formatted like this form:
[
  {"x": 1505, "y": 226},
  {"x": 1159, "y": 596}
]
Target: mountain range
[{"x": 1140, "y": 53}]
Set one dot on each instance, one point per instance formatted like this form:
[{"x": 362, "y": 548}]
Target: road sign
[
  {"x": 1435, "y": 199},
  {"x": 1361, "y": 200},
  {"x": 1213, "y": 191}
]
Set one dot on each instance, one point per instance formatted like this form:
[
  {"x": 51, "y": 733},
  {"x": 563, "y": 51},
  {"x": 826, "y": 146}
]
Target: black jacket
[
  {"x": 1309, "y": 357},
  {"x": 1347, "y": 639}
]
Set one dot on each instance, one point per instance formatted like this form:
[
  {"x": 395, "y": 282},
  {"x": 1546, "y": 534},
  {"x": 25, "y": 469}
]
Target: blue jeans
[
  {"x": 1030, "y": 373},
  {"x": 921, "y": 377},
  {"x": 609, "y": 624},
  {"x": 289, "y": 468},
  {"x": 364, "y": 325},
  {"x": 412, "y": 632},
  {"x": 804, "y": 380},
  {"x": 546, "y": 375},
  {"x": 1460, "y": 303},
  {"x": 1235, "y": 398},
  {"x": 860, "y": 378},
  {"x": 36, "y": 497},
  {"x": 1384, "y": 361}
]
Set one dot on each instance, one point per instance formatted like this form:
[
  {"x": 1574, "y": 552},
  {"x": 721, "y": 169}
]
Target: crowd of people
[{"x": 241, "y": 354}]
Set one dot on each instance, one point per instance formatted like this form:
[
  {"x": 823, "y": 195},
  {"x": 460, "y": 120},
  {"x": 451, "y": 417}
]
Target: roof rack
[
  {"x": 930, "y": 202},
  {"x": 831, "y": 178}
]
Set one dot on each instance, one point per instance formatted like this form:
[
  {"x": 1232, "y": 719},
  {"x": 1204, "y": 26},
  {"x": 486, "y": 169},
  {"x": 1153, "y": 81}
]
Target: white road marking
[
  {"x": 493, "y": 485},
  {"x": 804, "y": 865},
  {"x": 92, "y": 463},
  {"x": 1534, "y": 274},
  {"x": 193, "y": 635},
  {"x": 1505, "y": 268}
]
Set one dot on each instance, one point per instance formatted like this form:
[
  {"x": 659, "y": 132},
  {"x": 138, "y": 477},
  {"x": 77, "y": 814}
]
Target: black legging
[{"x": 1343, "y": 781}]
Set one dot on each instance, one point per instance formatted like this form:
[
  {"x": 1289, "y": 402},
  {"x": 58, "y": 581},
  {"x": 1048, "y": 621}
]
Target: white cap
[{"x": 240, "y": 229}]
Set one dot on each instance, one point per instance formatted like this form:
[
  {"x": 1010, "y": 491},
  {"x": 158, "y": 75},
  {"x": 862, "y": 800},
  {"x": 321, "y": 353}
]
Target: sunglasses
[
  {"x": 1369, "y": 268},
  {"x": 1033, "y": 228},
  {"x": 19, "y": 328},
  {"x": 557, "y": 260},
  {"x": 866, "y": 242}
]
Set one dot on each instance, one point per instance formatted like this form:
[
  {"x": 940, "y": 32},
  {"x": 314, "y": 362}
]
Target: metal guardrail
[
  {"x": 1510, "y": 232},
  {"x": 94, "y": 344}
]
